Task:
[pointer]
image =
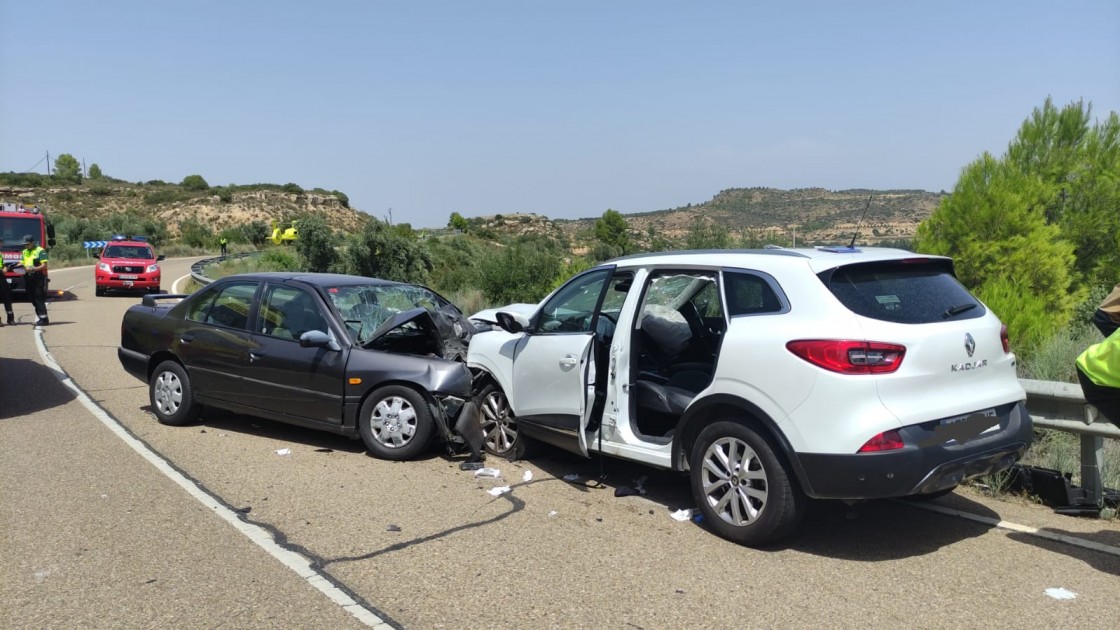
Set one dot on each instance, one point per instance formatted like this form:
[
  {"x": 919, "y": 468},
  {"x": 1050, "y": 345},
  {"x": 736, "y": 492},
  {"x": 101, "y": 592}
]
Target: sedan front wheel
[{"x": 396, "y": 423}]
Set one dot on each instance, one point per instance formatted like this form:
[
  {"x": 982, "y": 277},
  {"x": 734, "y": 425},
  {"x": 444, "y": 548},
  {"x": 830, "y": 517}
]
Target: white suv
[{"x": 769, "y": 375}]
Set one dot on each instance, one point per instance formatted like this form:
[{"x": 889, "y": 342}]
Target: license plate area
[
  {"x": 129, "y": 277},
  {"x": 961, "y": 429}
]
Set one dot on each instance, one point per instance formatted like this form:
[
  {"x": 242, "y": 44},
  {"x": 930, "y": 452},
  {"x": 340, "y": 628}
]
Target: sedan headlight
[
  {"x": 104, "y": 267},
  {"x": 153, "y": 268}
]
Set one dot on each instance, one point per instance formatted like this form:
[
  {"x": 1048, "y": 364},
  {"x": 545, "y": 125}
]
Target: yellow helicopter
[{"x": 285, "y": 236}]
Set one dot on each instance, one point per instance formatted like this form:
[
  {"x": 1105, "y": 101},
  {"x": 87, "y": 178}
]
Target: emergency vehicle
[
  {"x": 17, "y": 221},
  {"x": 127, "y": 263}
]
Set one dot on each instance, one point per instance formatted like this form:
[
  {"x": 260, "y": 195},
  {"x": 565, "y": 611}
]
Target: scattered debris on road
[
  {"x": 498, "y": 491},
  {"x": 488, "y": 472},
  {"x": 528, "y": 476},
  {"x": 393, "y": 528},
  {"x": 1060, "y": 593},
  {"x": 284, "y": 451},
  {"x": 681, "y": 515}
]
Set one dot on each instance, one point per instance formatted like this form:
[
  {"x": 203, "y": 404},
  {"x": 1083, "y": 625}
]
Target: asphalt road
[{"x": 94, "y": 534}]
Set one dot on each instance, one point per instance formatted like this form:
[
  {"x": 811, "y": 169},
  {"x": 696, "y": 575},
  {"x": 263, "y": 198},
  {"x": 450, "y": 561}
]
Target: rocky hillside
[
  {"x": 217, "y": 208},
  {"x": 809, "y": 215},
  {"x": 812, "y": 215}
]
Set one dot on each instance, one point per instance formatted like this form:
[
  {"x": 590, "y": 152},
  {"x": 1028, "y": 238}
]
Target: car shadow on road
[
  {"x": 868, "y": 531},
  {"x": 1105, "y": 561},
  {"x": 28, "y": 387},
  {"x": 221, "y": 420}
]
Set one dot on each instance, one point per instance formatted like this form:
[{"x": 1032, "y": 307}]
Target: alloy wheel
[
  {"x": 734, "y": 481},
  {"x": 168, "y": 393},
  {"x": 497, "y": 424}
]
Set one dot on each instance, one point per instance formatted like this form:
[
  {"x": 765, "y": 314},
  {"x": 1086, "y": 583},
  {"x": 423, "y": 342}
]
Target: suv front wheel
[{"x": 744, "y": 490}]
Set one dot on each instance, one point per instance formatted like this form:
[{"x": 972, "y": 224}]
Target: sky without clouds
[{"x": 559, "y": 108}]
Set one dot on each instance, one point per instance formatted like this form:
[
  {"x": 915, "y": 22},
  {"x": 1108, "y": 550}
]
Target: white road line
[
  {"x": 1015, "y": 527},
  {"x": 175, "y": 285},
  {"x": 260, "y": 536}
]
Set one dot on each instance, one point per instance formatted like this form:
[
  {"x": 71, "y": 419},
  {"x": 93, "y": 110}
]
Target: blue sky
[{"x": 559, "y": 108}]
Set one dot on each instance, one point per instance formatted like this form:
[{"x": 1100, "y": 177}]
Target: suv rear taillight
[
  {"x": 885, "y": 441},
  {"x": 1004, "y": 339},
  {"x": 850, "y": 357}
]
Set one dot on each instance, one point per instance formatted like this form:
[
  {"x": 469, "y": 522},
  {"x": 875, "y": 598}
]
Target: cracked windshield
[{"x": 365, "y": 307}]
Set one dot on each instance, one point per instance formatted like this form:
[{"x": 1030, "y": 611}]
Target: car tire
[
  {"x": 396, "y": 423},
  {"x": 499, "y": 426},
  {"x": 744, "y": 490},
  {"x": 99, "y": 291},
  {"x": 171, "y": 395}
]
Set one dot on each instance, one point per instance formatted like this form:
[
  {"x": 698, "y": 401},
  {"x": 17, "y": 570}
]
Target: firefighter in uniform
[
  {"x": 34, "y": 260},
  {"x": 6, "y": 294}
]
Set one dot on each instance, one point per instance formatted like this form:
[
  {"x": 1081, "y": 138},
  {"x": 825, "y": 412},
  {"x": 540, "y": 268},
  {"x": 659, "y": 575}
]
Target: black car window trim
[{"x": 766, "y": 278}]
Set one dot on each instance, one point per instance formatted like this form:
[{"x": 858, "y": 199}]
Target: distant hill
[
  {"x": 218, "y": 207},
  {"x": 812, "y": 215}
]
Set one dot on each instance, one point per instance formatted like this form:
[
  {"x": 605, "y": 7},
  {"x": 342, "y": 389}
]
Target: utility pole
[
  {"x": 83, "y": 167},
  {"x": 48, "y": 163},
  {"x": 390, "y": 216}
]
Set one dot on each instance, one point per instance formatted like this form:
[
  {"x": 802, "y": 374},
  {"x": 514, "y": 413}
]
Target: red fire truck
[{"x": 17, "y": 221}]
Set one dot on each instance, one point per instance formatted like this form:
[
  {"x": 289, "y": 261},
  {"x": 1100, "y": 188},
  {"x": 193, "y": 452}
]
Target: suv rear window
[{"x": 902, "y": 292}]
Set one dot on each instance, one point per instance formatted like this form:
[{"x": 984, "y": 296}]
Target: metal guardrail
[
  {"x": 1062, "y": 407},
  {"x": 197, "y": 269}
]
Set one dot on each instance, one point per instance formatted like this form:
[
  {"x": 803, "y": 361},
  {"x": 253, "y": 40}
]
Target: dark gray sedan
[{"x": 356, "y": 356}]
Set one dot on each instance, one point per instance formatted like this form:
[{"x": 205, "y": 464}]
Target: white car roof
[{"x": 817, "y": 259}]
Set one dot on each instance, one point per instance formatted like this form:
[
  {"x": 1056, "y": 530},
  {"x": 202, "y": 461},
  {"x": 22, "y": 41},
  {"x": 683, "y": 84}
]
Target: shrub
[
  {"x": 316, "y": 244},
  {"x": 194, "y": 182},
  {"x": 292, "y": 188}
]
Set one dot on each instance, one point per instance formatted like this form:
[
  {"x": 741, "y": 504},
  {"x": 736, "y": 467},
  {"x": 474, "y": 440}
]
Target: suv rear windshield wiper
[{"x": 957, "y": 310}]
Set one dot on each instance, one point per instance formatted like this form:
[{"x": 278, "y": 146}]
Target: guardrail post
[{"x": 1092, "y": 457}]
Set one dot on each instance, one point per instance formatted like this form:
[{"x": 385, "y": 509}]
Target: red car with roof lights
[{"x": 128, "y": 263}]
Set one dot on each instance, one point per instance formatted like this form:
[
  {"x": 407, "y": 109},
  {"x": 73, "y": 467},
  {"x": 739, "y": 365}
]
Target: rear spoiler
[{"x": 150, "y": 300}]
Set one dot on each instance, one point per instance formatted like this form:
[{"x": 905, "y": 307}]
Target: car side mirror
[
  {"x": 160, "y": 257},
  {"x": 511, "y": 322},
  {"x": 316, "y": 339}
]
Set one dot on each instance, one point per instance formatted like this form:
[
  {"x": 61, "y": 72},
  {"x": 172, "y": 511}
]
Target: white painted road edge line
[
  {"x": 1023, "y": 529},
  {"x": 175, "y": 285},
  {"x": 260, "y": 536}
]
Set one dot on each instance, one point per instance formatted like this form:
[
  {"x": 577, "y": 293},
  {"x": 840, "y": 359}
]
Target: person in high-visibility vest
[
  {"x": 6, "y": 292},
  {"x": 223, "y": 241},
  {"x": 34, "y": 260},
  {"x": 1098, "y": 369}
]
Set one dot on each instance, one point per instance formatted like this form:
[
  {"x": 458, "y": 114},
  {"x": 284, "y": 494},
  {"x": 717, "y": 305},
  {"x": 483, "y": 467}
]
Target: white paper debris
[
  {"x": 552, "y": 513},
  {"x": 488, "y": 472},
  {"x": 1060, "y": 593},
  {"x": 499, "y": 490},
  {"x": 528, "y": 476},
  {"x": 571, "y": 477},
  {"x": 284, "y": 451},
  {"x": 681, "y": 515}
]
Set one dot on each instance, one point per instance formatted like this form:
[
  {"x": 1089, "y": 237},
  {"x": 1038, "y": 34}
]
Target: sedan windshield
[{"x": 364, "y": 307}]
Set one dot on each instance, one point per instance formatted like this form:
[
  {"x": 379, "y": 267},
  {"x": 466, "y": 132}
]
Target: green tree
[
  {"x": 292, "y": 188},
  {"x": 522, "y": 272},
  {"x": 342, "y": 198},
  {"x": 380, "y": 251},
  {"x": 195, "y": 233},
  {"x": 194, "y": 182},
  {"x": 316, "y": 244},
  {"x": 994, "y": 226},
  {"x": 1077, "y": 163},
  {"x": 457, "y": 222},
  {"x": 67, "y": 168},
  {"x": 708, "y": 235},
  {"x": 612, "y": 229},
  {"x": 95, "y": 171},
  {"x": 657, "y": 240},
  {"x": 256, "y": 232}
]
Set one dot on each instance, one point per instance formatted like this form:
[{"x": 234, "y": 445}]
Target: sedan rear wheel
[
  {"x": 500, "y": 425},
  {"x": 744, "y": 490},
  {"x": 396, "y": 423},
  {"x": 171, "y": 395}
]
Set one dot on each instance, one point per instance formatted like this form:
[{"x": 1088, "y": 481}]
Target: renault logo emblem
[{"x": 969, "y": 344}]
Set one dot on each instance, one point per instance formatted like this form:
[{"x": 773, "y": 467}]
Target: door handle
[
  {"x": 186, "y": 338},
  {"x": 568, "y": 361},
  {"x": 255, "y": 355}
]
